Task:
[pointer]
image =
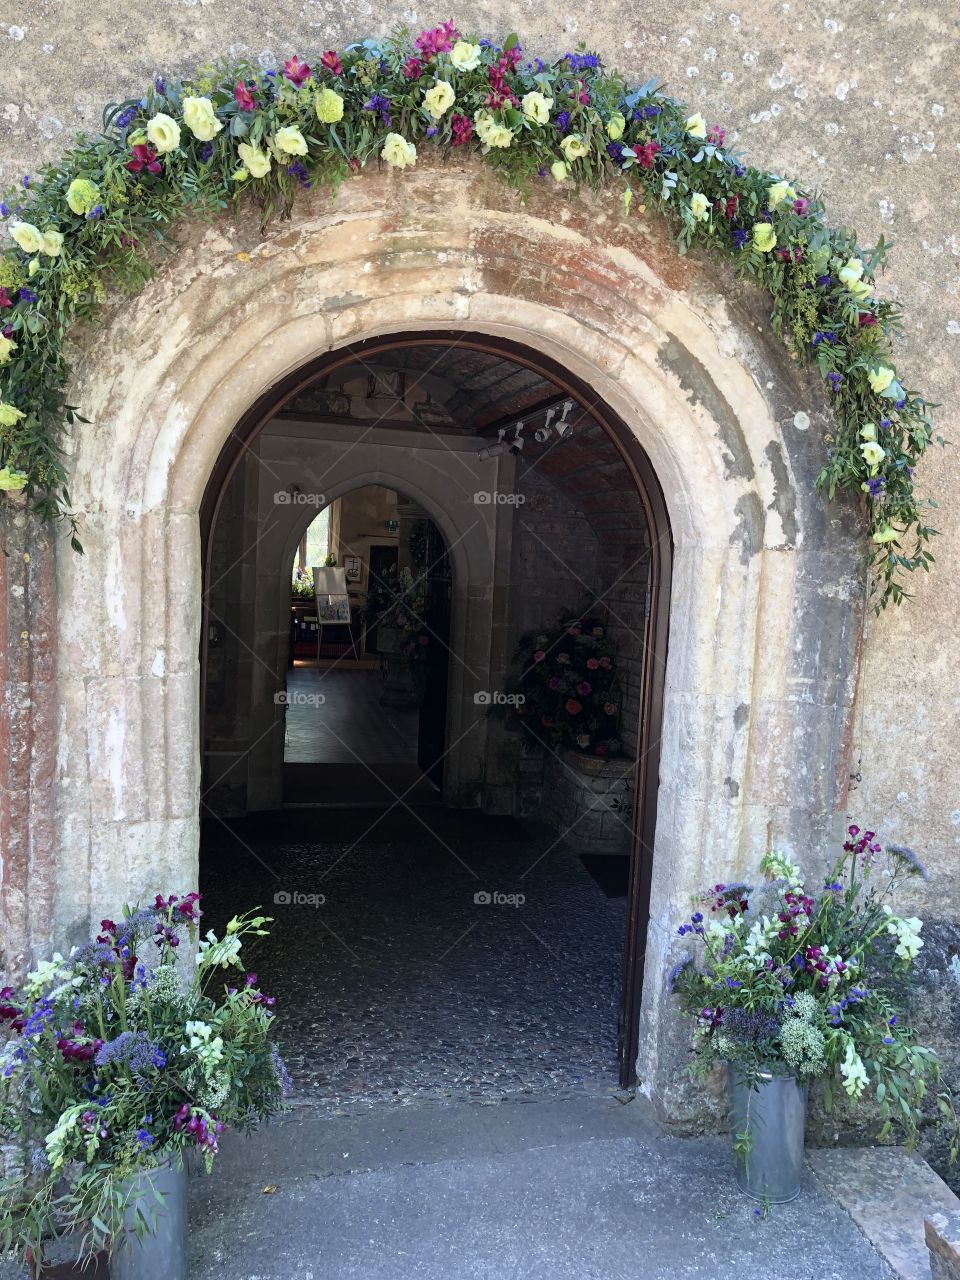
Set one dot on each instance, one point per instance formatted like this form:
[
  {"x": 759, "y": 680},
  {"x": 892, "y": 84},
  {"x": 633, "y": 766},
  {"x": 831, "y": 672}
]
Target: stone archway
[{"x": 767, "y": 589}]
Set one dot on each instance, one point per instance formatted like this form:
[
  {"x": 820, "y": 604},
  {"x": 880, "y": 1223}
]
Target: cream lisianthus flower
[
  {"x": 7, "y": 348},
  {"x": 328, "y": 106},
  {"x": 880, "y": 378},
  {"x": 290, "y": 141},
  {"x": 27, "y": 236},
  {"x": 851, "y": 275},
  {"x": 465, "y": 56},
  {"x": 52, "y": 243},
  {"x": 439, "y": 99},
  {"x": 574, "y": 147},
  {"x": 164, "y": 133},
  {"x": 700, "y": 206},
  {"x": 615, "y": 127},
  {"x": 201, "y": 119},
  {"x": 559, "y": 171},
  {"x": 869, "y": 432},
  {"x": 696, "y": 126},
  {"x": 10, "y": 415},
  {"x": 12, "y": 481},
  {"x": 536, "y": 106},
  {"x": 764, "y": 236},
  {"x": 490, "y": 133},
  {"x": 886, "y": 533},
  {"x": 256, "y": 162},
  {"x": 83, "y": 195},
  {"x": 873, "y": 454},
  {"x": 778, "y": 192},
  {"x": 398, "y": 152}
]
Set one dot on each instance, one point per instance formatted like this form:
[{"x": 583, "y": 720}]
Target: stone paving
[{"x": 406, "y": 983}]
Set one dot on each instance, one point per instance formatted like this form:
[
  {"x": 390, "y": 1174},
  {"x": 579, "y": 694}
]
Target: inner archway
[{"x": 533, "y": 502}]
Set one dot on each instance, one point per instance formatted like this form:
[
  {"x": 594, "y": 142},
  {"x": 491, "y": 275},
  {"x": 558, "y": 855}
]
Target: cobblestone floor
[{"x": 406, "y": 983}]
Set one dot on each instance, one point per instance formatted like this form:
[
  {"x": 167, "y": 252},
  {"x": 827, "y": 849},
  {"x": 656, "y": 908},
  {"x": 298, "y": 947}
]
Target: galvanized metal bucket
[
  {"x": 775, "y": 1111},
  {"x": 161, "y": 1255}
]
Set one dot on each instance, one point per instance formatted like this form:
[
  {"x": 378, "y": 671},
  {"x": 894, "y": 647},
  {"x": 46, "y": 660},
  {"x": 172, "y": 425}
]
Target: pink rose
[
  {"x": 539, "y": 656},
  {"x": 592, "y": 664}
]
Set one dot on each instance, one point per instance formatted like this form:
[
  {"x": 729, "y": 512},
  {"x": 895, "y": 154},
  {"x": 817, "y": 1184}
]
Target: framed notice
[{"x": 330, "y": 590}]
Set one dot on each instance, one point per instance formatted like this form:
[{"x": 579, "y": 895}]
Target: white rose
[
  {"x": 164, "y": 133},
  {"x": 256, "y": 162},
  {"x": 439, "y": 99},
  {"x": 700, "y": 206},
  {"x": 200, "y": 118},
  {"x": 398, "y": 152},
  {"x": 465, "y": 56},
  {"x": 27, "y": 236},
  {"x": 290, "y": 141},
  {"x": 573, "y": 147},
  {"x": 52, "y": 243},
  {"x": 536, "y": 107}
]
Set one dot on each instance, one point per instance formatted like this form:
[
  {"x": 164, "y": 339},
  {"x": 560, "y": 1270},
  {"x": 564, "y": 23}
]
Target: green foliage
[{"x": 598, "y": 132}]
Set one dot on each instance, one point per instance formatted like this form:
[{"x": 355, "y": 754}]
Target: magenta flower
[
  {"x": 412, "y": 69},
  {"x": 801, "y": 207},
  {"x": 716, "y": 135},
  {"x": 461, "y": 128},
  {"x": 244, "y": 98},
  {"x": 297, "y": 72},
  {"x": 553, "y": 682},
  {"x": 145, "y": 157},
  {"x": 584, "y": 687},
  {"x": 439, "y": 40},
  {"x": 539, "y": 655},
  {"x": 5, "y": 299},
  {"x": 331, "y": 61},
  {"x": 592, "y": 664}
]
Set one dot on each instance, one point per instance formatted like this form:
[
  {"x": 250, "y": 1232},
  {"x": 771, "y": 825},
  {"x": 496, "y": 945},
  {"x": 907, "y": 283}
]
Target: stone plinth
[{"x": 590, "y": 801}]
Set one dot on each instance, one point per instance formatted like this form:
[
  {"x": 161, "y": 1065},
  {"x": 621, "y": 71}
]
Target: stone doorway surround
[{"x": 767, "y": 588}]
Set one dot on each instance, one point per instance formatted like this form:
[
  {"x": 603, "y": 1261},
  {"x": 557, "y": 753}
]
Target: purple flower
[
  {"x": 835, "y": 380},
  {"x": 432, "y": 131},
  {"x": 280, "y": 1071},
  {"x": 650, "y": 111},
  {"x": 298, "y": 171},
  {"x": 126, "y": 118},
  {"x": 739, "y": 237},
  {"x": 563, "y": 121},
  {"x": 144, "y": 1138},
  {"x": 677, "y": 969},
  {"x": 909, "y": 860},
  {"x": 160, "y": 84},
  {"x": 95, "y": 213},
  {"x": 823, "y": 282},
  {"x": 26, "y": 181},
  {"x": 875, "y": 486},
  {"x": 4, "y": 210},
  {"x": 581, "y": 61},
  {"x": 206, "y": 151},
  {"x": 900, "y": 404},
  {"x": 740, "y": 170},
  {"x": 27, "y": 295}
]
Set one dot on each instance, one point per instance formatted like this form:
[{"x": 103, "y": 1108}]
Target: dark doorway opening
[{"x": 501, "y": 384}]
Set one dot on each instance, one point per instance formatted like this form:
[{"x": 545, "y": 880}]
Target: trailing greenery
[{"x": 90, "y": 225}]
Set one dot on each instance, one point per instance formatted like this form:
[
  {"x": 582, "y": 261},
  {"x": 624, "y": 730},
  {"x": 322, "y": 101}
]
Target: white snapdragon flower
[{"x": 854, "y": 1073}]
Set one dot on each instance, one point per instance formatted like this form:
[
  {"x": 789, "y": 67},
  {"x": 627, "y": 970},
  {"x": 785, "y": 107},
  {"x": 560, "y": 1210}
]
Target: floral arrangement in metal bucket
[
  {"x": 237, "y": 132},
  {"x": 113, "y": 1062},
  {"x": 799, "y": 982}
]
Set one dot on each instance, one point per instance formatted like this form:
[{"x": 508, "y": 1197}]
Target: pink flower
[
  {"x": 801, "y": 207},
  {"x": 5, "y": 299},
  {"x": 592, "y": 664},
  {"x": 297, "y": 72},
  {"x": 424, "y": 640},
  {"x": 462, "y": 130},
  {"x": 716, "y": 135},
  {"x": 244, "y": 98},
  {"x": 439, "y": 40},
  {"x": 145, "y": 157},
  {"x": 610, "y": 708},
  {"x": 645, "y": 154},
  {"x": 553, "y": 682},
  {"x": 584, "y": 687},
  {"x": 574, "y": 631},
  {"x": 332, "y": 62},
  {"x": 539, "y": 655},
  {"x": 605, "y": 663},
  {"x": 866, "y": 318},
  {"x": 412, "y": 69}
]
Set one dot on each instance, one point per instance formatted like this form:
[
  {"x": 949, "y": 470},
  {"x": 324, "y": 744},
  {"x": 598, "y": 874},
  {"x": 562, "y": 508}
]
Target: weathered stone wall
[{"x": 857, "y": 98}]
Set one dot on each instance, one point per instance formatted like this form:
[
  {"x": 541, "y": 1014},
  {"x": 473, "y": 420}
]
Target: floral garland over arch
[{"x": 237, "y": 132}]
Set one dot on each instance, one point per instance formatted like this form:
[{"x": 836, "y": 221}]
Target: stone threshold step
[{"x": 908, "y": 1213}]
